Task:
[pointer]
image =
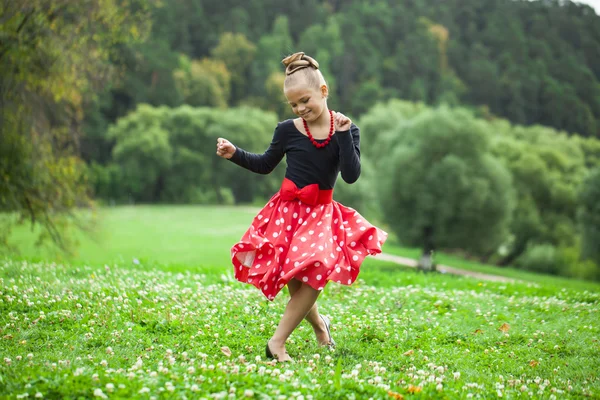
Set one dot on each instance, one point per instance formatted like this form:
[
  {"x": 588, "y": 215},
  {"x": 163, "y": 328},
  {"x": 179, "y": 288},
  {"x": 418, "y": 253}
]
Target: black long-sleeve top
[{"x": 307, "y": 164}]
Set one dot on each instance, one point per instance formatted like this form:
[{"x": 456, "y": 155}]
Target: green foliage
[
  {"x": 53, "y": 56},
  {"x": 168, "y": 155},
  {"x": 270, "y": 50},
  {"x": 441, "y": 183},
  {"x": 361, "y": 195},
  {"x": 540, "y": 258},
  {"x": 589, "y": 216},
  {"x": 237, "y": 53},
  {"x": 572, "y": 265},
  {"x": 547, "y": 169},
  {"x": 143, "y": 152},
  {"x": 204, "y": 83}
]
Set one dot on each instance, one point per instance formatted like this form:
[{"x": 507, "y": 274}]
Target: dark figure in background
[{"x": 426, "y": 263}]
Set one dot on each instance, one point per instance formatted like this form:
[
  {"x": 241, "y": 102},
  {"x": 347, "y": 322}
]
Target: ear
[{"x": 324, "y": 91}]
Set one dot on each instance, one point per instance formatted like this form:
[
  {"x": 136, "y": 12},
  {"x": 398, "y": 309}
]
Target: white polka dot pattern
[{"x": 313, "y": 241}]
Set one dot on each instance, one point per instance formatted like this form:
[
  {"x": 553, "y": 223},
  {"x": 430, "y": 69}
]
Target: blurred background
[{"x": 480, "y": 119}]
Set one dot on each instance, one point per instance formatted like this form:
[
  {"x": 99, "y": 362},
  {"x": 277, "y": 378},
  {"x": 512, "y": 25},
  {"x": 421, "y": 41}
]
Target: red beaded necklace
[{"x": 312, "y": 139}]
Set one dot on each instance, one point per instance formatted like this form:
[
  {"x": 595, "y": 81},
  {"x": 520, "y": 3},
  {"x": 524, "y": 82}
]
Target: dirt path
[{"x": 409, "y": 262}]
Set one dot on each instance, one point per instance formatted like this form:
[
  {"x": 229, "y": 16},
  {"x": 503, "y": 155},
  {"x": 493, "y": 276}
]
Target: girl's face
[{"x": 307, "y": 102}]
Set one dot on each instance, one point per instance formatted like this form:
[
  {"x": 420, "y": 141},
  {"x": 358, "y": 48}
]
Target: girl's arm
[
  {"x": 266, "y": 162},
  {"x": 349, "y": 142}
]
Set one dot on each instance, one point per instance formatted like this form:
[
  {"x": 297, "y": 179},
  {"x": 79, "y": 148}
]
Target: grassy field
[{"x": 149, "y": 309}]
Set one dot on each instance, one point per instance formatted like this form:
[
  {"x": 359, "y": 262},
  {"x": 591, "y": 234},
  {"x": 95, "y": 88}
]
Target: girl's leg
[
  {"x": 313, "y": 316},
  {"x": 297, "y": 308}
]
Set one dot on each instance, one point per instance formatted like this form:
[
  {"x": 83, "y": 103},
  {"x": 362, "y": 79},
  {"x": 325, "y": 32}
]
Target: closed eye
[{"x": 304, "y": 101}]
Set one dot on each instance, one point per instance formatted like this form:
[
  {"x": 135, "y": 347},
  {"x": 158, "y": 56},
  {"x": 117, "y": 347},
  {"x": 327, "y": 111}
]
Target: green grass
[
  {"x": 99, "y": 324},
  {"x": 193, "y": 237},
  {"x": 187, "y": 235}
]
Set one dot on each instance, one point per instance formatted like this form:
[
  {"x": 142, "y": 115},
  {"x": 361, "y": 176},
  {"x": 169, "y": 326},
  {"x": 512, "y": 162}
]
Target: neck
[{"x": 323, "y": 119}]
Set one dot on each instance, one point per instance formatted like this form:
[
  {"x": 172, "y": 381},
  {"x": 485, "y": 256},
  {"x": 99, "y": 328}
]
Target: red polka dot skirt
[{"x": 312, "y": 243}]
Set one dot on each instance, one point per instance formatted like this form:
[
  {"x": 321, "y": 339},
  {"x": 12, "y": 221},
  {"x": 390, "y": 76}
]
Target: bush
[
  {"x": 542, "y": 258},
  {"x": 572, "y": 266}
]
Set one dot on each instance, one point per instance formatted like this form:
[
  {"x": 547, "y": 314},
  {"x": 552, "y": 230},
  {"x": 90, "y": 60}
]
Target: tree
[
  {"x": 237, "y": 53},
  {"x": 53, "y": 56},
  {"x": 143, "y": 152},
  {"x": 589, "y": 217},
  {"x": 547, "y": 170},
  {"x": 168, "y": 155},
  {"x": 270, "y": 50},
  {"x": 204, "y": 83},
  {"x": 442, "y": 185}
]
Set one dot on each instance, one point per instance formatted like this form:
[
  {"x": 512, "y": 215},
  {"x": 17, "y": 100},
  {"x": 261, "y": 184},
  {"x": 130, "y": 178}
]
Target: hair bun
[{"x": 298, "y": 61}]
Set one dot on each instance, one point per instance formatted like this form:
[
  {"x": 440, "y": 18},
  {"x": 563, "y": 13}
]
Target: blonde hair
[{"x": 300, "y": 68}]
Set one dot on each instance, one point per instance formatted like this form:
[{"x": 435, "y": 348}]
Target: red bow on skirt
[{"x": 310, "y": 194}]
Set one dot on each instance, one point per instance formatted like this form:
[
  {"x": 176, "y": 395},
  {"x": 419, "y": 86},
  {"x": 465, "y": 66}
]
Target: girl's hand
[
  {"x": 341, "y": 122},
  {"x": 224, "y": 148}
]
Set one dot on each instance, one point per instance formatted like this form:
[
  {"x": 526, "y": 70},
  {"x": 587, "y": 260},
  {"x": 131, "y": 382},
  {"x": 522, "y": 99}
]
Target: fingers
[
  {"x": 224, "y": 148},
  {"x": 342, "y": 123},
  {"x": 221, "y": 147}
]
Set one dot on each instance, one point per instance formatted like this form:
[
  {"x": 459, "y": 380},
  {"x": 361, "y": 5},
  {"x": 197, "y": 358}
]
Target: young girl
[{"x": 302, "y": 238}]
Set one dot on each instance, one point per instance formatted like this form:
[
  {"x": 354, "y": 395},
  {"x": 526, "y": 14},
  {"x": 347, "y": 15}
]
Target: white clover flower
[
  {"x": 144, "y": 390},
  {"x": 39, "y": 395},
  {"x": 456, "y": 375},
  {"x": 104, "y": 363},
  {"x": 439, "y": 387},
  {"x": 110, "y": 387},
  {"x": 248, "y": 393},
  {"x": 100, "y": 393}
]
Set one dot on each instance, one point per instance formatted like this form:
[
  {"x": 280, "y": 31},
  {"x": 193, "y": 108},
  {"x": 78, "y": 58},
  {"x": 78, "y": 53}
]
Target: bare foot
[{"x": 278, "y": 351}]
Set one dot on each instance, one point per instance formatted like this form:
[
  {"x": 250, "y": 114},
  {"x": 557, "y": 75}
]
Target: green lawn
[
  {"x": 184, "y": 235},
  {"x": 193, "y": 237},
  {"x": 151, "y": 310}
]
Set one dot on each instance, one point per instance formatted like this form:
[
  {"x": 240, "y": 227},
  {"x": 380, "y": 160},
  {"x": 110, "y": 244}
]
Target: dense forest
[
  {"x": 497, "y": 133},
  {"x": 532, "y": 62}
]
